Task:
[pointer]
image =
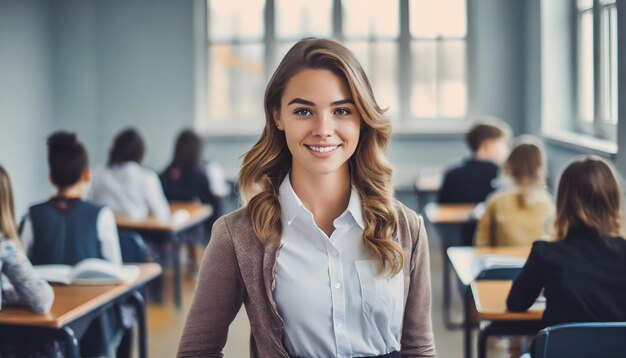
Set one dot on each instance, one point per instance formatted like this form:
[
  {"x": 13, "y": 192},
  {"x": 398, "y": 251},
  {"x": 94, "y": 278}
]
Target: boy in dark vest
[{"x": 66, "y": 230}]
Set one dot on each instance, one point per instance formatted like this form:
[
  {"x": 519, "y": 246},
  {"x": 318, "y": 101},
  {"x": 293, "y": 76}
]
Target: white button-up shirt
[{"x": 329, "y": 291}]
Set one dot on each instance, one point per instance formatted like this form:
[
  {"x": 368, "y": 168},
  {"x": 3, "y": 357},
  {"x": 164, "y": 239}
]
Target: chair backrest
[
  {"x": 500, "y": 273},
  {"x": 574, "y": 340},
  {"x": 133, "y": 247}
]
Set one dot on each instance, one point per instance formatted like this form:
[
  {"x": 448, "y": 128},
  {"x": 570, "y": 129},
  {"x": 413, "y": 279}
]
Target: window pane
[
  {"x": 370, "y": 19},
  {"x": 236, "y": 82},
  {"x": 424, "y": 93},
  {"x": 429, "y": 19},
  {"x": 379, "y": 60},
  {"x": 235, "y": 20},
  {"x": 452, "y": 83},
  {"x": 585, "y": 4},
  {"x": 281, "y": 50},
  {"x": 613, "y": 64},
  {"x": 585, "y": 68},
  {"x": 301, "y": 18}
]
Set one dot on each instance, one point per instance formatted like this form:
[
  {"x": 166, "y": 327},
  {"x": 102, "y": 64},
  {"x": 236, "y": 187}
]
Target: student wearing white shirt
[
  {"x": 126, "y": 186},
  {"x": 327, "y": 263}
]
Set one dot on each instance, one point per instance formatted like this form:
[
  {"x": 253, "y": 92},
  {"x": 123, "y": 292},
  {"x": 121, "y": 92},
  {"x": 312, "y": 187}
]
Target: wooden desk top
[
  {"x": 198, "y": 212},
  {"x": 465, "y": 260},
  {"x": 73, "y": 301},
  {"x": 490, "y": 300},
  {"x": 449, "y": 213}
]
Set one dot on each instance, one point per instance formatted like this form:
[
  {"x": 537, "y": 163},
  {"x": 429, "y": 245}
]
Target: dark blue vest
[{"x": 65, "y": 231}]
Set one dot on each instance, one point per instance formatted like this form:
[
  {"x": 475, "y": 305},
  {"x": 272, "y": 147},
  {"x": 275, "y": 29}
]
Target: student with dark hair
[
  {"x": 126, "y": 186},
  {"x": 583, "y": 272},
  {"x": 186, "y": 179},
  {"x": 471, "y": 180},
  {"x": 66, "y": 230}
]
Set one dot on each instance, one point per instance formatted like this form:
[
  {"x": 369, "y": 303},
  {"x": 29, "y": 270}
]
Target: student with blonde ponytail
[
  {"x": 28, "y": 289},
  {"x": 325, "y": 261},
  {"x": 518, "y": 214}
]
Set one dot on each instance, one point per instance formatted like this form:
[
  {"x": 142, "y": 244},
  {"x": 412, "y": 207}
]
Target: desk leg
[
  {"x": 484, "y": 333},
  {"x": 177, "y": 273},
  {"x": 467, "y": 322},
  {"x": 140, "y": 308}
]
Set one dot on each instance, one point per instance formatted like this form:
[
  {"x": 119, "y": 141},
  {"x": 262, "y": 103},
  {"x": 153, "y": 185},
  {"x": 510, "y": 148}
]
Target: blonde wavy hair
[
  {"x": 268, "y": 162},
  {"x": 589, "y": 195},
  {"x": 7, "y": 207}
]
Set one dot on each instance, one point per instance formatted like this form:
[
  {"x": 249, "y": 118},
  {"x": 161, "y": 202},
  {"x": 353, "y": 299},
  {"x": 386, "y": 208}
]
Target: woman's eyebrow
[
  {"x": 343, "y": 101},
  {"x": 301, "y": 101}
]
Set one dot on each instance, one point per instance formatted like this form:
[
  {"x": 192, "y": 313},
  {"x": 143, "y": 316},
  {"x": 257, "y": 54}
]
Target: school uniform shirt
[
  {"x": 583, "y": 277},
  {"x": 130, "y": 190},
  {"x": 506, "y": 223},
  {"x": 67, "y": 217},
  {"x": 328, "y": 290}
]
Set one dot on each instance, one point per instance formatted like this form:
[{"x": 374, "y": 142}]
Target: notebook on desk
[{"x": 88, "y": 272}]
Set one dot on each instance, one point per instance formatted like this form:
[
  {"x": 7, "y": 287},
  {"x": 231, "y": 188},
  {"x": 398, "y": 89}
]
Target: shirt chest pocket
[{"x": 381, "y": 294}]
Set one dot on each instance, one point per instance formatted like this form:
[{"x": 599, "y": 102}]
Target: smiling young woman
[{"x": 352, "y": 278}]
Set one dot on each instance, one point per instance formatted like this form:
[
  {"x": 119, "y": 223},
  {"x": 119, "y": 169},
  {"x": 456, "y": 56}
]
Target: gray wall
[
  {"x": 97, "y": 66},
  {"x": 25, "y": 97}
]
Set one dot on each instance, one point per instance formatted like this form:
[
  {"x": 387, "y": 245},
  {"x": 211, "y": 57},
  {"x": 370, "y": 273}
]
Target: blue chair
[
  {"x": 574, "y": 340},
  {"x": 133, "y": 247}
]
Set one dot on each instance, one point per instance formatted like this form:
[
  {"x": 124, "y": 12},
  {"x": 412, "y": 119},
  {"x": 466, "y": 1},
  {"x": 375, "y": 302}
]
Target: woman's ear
[{"x": 277, "y": 122}]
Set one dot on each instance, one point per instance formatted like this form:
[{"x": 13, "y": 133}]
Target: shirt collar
[{"x": 291, "y": 205}]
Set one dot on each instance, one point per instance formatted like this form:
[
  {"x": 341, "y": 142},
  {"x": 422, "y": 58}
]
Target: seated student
[
  {"x": 186, "y": 179},
  {"x": 28, "y": 289},
  {"x": 471, "y": 180},
  {"x": 126, "y": 186},
  {"x": 523, "y": 212},
  {"x": 67, "y": 229},
  {"x": 582, "y": 273}
]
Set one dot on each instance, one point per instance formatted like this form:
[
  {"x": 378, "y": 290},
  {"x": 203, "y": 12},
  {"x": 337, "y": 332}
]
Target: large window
[
  {"x": 597, "y": 67},
  {"x": 414, "y": 52}
]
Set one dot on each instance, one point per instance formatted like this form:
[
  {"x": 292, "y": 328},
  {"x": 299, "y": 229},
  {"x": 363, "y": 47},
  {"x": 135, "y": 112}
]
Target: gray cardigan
[{"x": 237, "y": 268}]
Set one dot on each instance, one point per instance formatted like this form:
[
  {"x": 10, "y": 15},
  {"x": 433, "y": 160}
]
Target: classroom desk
[
  {"x": 466, "y": 263},
  {"x": 448, "y": 220},
  {"x": 77, "y": 301},
  {"x": 490, "y": 300},
  {"x": 198, "y": 213}
]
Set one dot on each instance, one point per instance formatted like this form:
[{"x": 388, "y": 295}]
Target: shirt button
[
  {"x": 333, "y": 253},
  {"x": 340, "y": 325},
  {"x": 337, "y": 285}
]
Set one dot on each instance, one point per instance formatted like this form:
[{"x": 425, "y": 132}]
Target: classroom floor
[{"x": 165, "y": 324}]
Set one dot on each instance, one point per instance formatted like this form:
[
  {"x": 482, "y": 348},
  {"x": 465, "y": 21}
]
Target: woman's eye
[
  {"x": 303, "y": 112},
  {"x": 342, "y": 112}
]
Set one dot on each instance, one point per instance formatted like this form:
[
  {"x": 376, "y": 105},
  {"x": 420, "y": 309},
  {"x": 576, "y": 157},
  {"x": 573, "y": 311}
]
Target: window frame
[
  {"x": 405, "y": 122},
  {"x": 601, "y": 126}
]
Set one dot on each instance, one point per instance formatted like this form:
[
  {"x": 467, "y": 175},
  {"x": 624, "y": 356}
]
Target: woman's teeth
[{"x": 322, "y": 149}]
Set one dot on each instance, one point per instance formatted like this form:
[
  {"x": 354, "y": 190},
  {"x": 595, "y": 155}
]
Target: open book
[{"x": 88, "y": 272}]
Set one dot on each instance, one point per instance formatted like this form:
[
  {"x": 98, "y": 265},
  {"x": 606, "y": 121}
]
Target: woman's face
[{"x": 320, "y": 121}]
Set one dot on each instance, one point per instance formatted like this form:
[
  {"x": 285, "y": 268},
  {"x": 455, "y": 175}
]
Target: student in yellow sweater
[{"x": 522, "y": 212}]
